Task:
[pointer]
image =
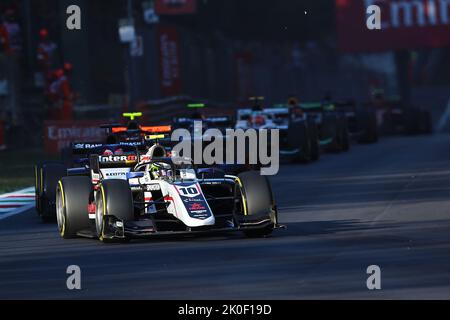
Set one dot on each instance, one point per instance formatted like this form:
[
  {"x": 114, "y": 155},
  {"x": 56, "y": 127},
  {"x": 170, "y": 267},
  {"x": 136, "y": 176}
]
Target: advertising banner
[
  {"x": 60, "y": 134},
  {"x": 405, "y": 24},
  {"x": 169, "y": 64}
]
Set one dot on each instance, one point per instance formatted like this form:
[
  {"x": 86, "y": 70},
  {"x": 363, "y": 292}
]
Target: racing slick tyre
[
  {"x": 368, "y": 126},
  {"x": 332, "y": 131},
  {"x": 298, "y": 138},
  {"x": 412, "y": 121},
  {"x": 344, "y": 139},
  {"x": 37, "y": 187},
  {"x": 113, "y": 198},
  {"x": 50, "y": 174},
  {"x": 313, "y": 134},
  {"x": 72, "y": 198},
  {"x": 426, "y": 126},
  {"x": 257, "y": 204}
]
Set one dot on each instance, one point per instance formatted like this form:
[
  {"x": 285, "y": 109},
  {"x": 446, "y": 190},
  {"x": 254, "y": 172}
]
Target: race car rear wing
[
  {"x": 83, "y": 148},
  {"x": 143, "y": 129},
  {"x": 345, "y": 106},
  {"x": 241, "y": 113},
  {"x": 109, "y": 127},
  {"x": 312, "y": 106},
  {"x": 218, "y": 119},
  {"x": 120, "y": 128},
  {"x": 213, "y": 121},
  {"x": 317, "y": 107},
  {"x": 276, "y": 111}
]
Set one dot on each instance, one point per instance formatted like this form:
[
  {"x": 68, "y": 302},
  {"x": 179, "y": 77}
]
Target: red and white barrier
[{"x": 16, "y": 202}]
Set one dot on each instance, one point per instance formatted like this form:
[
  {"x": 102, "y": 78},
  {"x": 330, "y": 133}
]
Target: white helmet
[{"x": 160, "y": 170}]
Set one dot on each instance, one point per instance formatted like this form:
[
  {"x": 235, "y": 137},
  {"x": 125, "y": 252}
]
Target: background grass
[{"x": 17, "y": 168}]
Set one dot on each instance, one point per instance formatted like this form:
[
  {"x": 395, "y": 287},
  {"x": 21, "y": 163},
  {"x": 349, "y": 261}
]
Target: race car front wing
[{"x": 146, "y": 227}]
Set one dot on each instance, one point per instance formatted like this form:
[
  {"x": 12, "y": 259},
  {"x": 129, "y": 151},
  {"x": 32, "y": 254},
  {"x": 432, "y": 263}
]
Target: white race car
[
  {"x": 129, "y": 195},
  {"x": 298, "y": 135}
]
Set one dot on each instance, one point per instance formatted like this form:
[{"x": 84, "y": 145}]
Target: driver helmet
[
  {"x": 119, "y": 151},
  {"x": 259, "y": 120},
  {"x": 108, "y": 152},
  {"x": 43, "y": 33},
  {"x": 160, "y": 170}
]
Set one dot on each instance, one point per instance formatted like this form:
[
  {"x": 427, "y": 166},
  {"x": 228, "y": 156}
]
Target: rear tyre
[
  {"x": 50, "y": 174},
  {"x": 72, "y": 198},
  {"x": 298, "y": 138},
  {"x": 412, "y": 121},
  {"x": 368, "y": 125},
  {"x": 333, "y": 132},
  {"x": 113, "y": 198},
  {"x": 426, "y": 126},
  {"x": 344, "y": 136},
  {"x": 314, "y": 141},
  {"x": 257, "y": 201},
  {"x": 37, "y": 187}
]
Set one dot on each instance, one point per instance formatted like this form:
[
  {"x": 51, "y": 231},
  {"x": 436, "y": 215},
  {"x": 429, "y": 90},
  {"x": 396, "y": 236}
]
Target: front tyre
[
  {"x": 257, "y": 210},
  {"x": 72, "y": 198},
  {"x": 113, "y": 198}
]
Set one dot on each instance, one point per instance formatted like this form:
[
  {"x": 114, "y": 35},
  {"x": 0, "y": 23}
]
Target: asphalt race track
[{"x": 386, "y": 204}]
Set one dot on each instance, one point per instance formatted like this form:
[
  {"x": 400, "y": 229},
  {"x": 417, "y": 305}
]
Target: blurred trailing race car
[
  {"x": 133, "y": 131},
  {"x": 221, "y": 123},
  {"x": 299, "y": 140},
  {"x": 396, "y": 117},
  {"x": 208, "y": 122},
  {"x": 119, "y": 138},
  {"x": 135, "y": 196},
  {"x": 46, "y": 178},
  {"x": 332, "y": 125},
  {"x": 361, "y": 121},
  {"x": 131, "y": 134}
]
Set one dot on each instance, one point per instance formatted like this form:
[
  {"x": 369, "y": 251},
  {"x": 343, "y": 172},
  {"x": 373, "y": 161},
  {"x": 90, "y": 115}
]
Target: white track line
[
  {"x": 26, "y": 191},
  {"x": 21, "y": 209},
  {"x": 17, "y": 211}
]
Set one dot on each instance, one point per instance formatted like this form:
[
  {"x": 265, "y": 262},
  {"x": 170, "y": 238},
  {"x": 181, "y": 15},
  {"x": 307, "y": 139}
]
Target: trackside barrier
[
  {"x": 2, "y": 136},
  {"x": 59, "y": 135}
]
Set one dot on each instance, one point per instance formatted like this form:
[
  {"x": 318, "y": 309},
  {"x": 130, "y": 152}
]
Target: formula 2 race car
[
  {"x": 361, "y": 121},
  {"x": 119, "y": 137},
  {"x": 396, "y": 117},
  {"x": 331, "y": 123},
  {"x": 199, "y": 134},
  {"x": 299, "y": 139},
  {"x": 208, "y": 122},
  {"x": 135, "y": 196}
]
